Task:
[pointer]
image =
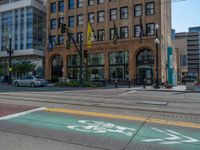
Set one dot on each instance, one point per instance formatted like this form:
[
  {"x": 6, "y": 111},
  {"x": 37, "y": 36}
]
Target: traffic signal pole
[
  {"x": 64, "y": 29},
  {"x": 10, "y": 63}
]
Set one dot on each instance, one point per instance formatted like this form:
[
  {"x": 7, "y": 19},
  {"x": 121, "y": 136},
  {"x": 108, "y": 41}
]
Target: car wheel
[
  {"x": 16, "y": 84},
  {"x": 32, "y": 84}
]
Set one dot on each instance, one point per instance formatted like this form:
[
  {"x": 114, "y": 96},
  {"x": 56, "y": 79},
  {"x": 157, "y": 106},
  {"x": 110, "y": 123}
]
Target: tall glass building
[{"x": 23, "y": 21}]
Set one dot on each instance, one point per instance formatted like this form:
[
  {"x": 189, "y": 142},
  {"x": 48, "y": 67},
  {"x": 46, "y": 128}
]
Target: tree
[
  {"x": 23, "y": 67},
  {"x": 1, "y": 69}
]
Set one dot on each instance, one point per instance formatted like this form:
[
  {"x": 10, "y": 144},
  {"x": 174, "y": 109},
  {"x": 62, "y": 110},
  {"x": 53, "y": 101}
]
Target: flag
[
  {"x": 141, "y": 29},
  {"x": 115, "y": 36},
  {"x": 50, "y": 44},
  {"x": 89, "y": 35}
]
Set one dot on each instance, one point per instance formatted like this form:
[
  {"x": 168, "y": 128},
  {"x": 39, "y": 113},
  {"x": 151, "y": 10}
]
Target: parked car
[{"x": 31, "y": 81}]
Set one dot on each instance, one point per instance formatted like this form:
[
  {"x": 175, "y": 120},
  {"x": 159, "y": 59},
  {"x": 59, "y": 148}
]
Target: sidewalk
[
  {"x": 178, "y": 88},
  {"x": 4, "y": 84}
]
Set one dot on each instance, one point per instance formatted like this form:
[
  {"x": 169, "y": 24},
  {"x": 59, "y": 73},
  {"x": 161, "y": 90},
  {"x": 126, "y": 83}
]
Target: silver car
[{"x": 31, "y": 81}]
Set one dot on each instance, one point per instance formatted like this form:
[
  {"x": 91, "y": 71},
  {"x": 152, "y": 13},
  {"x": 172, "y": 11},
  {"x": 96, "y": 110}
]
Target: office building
[
  {"x": 130, "y": 58},
  {"x": 24, "y": 22},
  {"x": 189, "y": 45}
]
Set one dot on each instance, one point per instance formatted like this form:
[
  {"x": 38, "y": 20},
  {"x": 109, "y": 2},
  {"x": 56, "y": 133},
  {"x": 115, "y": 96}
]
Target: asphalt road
[
  {"x": 177, "y": 102},
  {"x": 75, "y": 129},
  {"x": 94, "y": 119}
]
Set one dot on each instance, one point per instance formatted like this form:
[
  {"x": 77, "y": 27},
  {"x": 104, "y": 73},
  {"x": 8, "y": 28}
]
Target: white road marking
[
  {"x": 123, "y": 94},
  {"x": 91, "y": 126},
  {"x": 22, "y": 113},
  {"x": 173, "y": 138}
]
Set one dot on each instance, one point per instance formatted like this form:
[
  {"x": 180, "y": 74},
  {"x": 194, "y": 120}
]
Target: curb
[{"x": 184, "y": 91}]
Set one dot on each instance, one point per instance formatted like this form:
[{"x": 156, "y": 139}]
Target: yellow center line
[{"x": 132, "y": 118}]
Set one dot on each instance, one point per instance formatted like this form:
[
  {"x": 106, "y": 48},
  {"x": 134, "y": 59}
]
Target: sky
[{"x": 185, "y": 14}]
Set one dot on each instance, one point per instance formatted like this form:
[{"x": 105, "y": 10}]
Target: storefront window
[
  {"x": 118, "y": 66},
  {"x": 57, "y": 65},
  {"x": 73, "y": 67},
  {"x": 95, "y": 70}
]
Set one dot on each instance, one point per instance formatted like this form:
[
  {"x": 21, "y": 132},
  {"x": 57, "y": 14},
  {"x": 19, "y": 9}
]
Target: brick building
[{"x": 130, "y": 58}]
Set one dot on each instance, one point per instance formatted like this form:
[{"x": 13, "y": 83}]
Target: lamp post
[
  {"x": 81, "y": 61},
  {"x": 9, "y": 50},
  {"x": 157, "y": 42}
]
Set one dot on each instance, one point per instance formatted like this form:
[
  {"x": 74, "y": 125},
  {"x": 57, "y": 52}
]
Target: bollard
[
  {"x": 129, "y": 83},
  {"x": 144, "y": 84},
  {"x": 116, "y": 86}
]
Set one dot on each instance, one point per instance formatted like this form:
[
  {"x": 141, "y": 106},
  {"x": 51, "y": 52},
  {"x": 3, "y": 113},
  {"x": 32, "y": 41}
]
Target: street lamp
[
  {"x": 157, "y": 42},
  {"x": 9, "y": 50}
]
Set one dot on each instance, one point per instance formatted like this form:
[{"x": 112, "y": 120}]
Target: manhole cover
[{"x": 152, "y": 102}]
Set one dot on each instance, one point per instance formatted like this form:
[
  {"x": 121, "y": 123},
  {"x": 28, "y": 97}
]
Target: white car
[{"x": 31, "y": 81}]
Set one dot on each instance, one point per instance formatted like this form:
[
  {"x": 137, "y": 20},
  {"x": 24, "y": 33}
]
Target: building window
[
  {"x": 53, "y": 40},
  {"x": 71, "y": 4},
  {"x": 61, "y": 6},
  {"x": 91, "y": 17},
  {"x": 93, "y": 37},
  {"x": 118, "y": 66},
  {"x": 100, "y": 16},
  {"x": 150, "y": 8},
  {"x": 124, "y": 32},
  {"x": 123, "y": 12},
  {"x": 137, "y": 31},
  {"x": 96, "y": 66},
  {"x": 79, "y": 3},
  {"x": 90, "y": 2},
  {"x": 113, "y": 14},
  {"x": 61, "y": 40},
  {"x": 137, "y": 10},
  {"x": 183, "y": 60},
  {"x": 150, "y": 29},
  {"x": 60, "y": 21},
  {"x": 72, "y": 66},
  {"x": 100, "y": 1},
  {"x": 53, "y": 23},
  {"x": 79, "y": 36},
  {"x": 53, "y": 7},
  {"x": 100, "y": 35},
  {"x": 112, "y": 32},
  {"x": 80, "y": 20},
  {"x": 71, "y": 21}
]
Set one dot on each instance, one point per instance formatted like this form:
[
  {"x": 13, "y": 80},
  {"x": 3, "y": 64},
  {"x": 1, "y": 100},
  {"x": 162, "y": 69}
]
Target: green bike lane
[{"x": 105, "y": 131}]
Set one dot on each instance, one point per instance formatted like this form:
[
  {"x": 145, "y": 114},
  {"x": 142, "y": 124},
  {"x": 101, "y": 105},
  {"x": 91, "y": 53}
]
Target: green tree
[
  {"x": 1, "y": 69},
  {"x": 23, "y": 67}
]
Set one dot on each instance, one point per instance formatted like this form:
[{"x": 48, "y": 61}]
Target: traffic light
[{"x": 63, "y": 28}]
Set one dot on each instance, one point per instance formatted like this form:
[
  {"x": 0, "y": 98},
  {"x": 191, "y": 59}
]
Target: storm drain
[{"x": 149, "y": 102}]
